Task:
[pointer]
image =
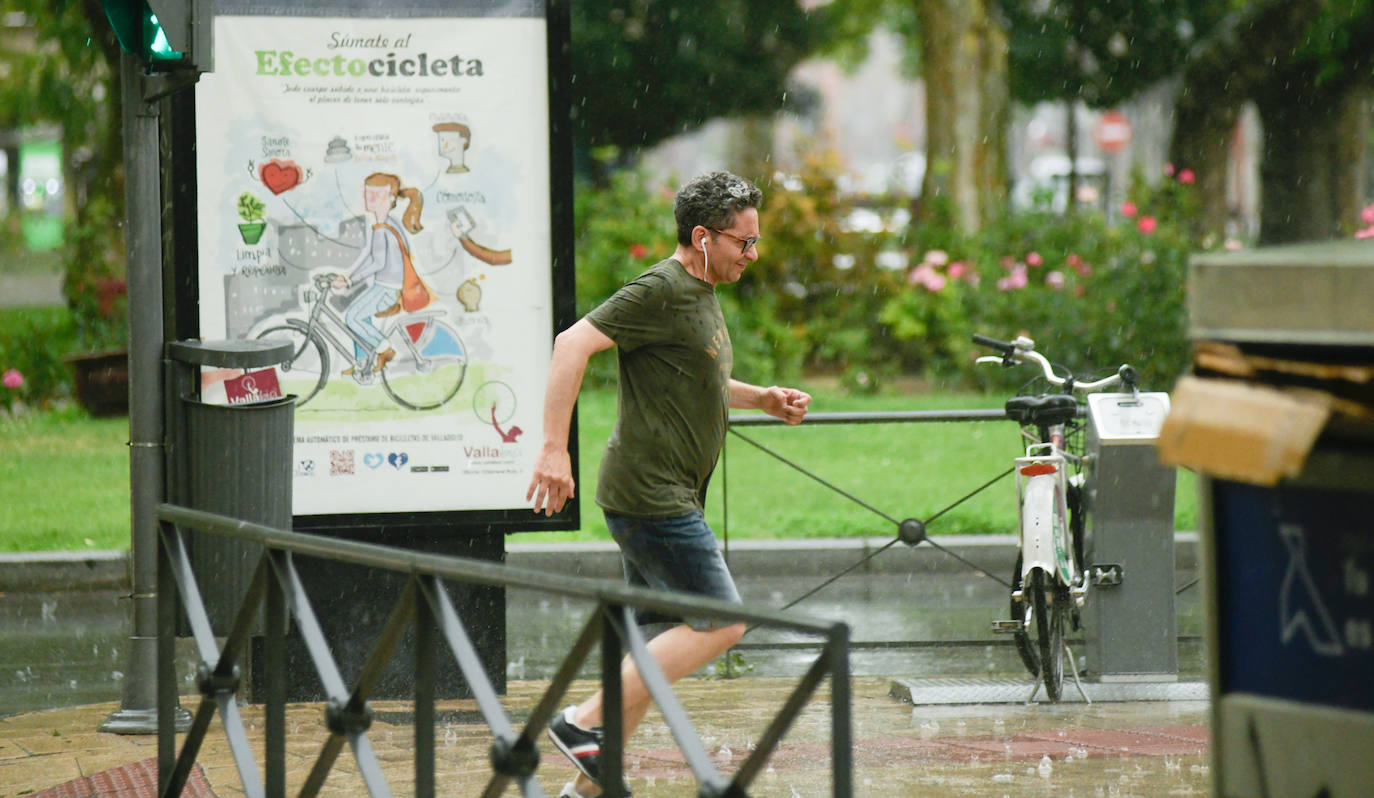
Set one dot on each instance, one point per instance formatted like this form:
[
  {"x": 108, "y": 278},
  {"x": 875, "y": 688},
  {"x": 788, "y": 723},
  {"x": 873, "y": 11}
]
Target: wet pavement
[
  {"x": 913, "y": 617},
  {"x": 1107, "y": 749}
]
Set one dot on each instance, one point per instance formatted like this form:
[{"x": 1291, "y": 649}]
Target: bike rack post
[{"x": 1130, "y": 626}]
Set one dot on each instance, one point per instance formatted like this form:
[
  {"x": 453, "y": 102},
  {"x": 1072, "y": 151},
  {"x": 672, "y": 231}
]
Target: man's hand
[
  {"x": 340, "y": 282},
  {"x": 788, "y": 404},
  {"x": 552, "y": 484}
]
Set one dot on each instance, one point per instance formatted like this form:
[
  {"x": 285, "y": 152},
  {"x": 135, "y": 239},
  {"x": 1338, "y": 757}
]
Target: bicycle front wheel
[
  {"x": 306, "y": 370},
  {"x": 1048, "y": 610}
]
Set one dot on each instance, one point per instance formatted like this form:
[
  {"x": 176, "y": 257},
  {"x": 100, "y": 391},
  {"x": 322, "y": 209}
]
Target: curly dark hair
[{"x": 712, "y": 200}]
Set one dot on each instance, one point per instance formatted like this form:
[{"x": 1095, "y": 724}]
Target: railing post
[
  {"x": 612, "y": 705},
  {"x": 167, "y": 703},
  {"x": 841, "y": 712},
  {"x": 426, "y": 662},
  {"x": 274, "y": 661}
]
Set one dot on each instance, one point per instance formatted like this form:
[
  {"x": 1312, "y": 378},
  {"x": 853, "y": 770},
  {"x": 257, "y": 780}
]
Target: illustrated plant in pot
[{"x": 252, "y": 210}]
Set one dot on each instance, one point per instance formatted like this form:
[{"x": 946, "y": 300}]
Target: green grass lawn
[{"x": 64, "y": 477}]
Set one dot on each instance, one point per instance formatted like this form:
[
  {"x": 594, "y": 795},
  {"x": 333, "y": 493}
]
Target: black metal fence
[{"x": 424, "y": 606}]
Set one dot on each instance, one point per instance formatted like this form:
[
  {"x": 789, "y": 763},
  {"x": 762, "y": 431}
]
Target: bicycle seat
[{"x": 1044, "y": 410}]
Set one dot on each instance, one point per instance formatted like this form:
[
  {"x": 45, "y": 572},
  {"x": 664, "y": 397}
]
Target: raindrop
[
  {"x": 116, "y": 675},
  {"x": 1002, "y": 778},
  {"x": 1045, "y": 768}
]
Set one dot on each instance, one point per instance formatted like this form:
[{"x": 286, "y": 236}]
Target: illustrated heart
[
  {"x": 397, "y": 459},
  {"x": 372, "y": 460},
  {"x": 279, "y": 175}
]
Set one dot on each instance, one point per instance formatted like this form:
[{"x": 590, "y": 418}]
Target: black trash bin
[{"x": 230, "y": 459}]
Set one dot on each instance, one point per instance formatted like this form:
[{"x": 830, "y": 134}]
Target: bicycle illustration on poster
[{"x": 379, "y": 195}]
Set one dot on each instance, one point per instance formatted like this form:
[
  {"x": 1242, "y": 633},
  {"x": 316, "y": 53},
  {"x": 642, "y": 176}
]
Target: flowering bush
[
  {"x": 1092, "y": 291},
  {"x": 32, "y": 341}
]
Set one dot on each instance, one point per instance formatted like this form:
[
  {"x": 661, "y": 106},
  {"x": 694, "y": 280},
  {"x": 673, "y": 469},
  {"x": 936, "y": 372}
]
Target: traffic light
[{"x": 164, "y": 34}]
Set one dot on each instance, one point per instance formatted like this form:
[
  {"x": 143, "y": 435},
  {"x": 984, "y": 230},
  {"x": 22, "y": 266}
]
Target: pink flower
[
  {"x": 963, "y": 270},
  {"x": 1055, "y": 280},
  {"x": 1233, "y": 245},
  {"x": 638, "y": 251},
  {"x": 1169, "y": 169},
  {"x": 1367, "y": 214},
  {"x": 1186, "y": 176},
  {"x": 12, "y": 379},
  {"x": 1129, "y": 210},
  {"x": 1079, "y": 265},
  {"x": 1146, "y": 224},
  {"x": 925, "y": 275},
  {"x": 936, "y": 257},
  {"x": 1034, "y": 260},
  {"x": 1368, "y": 232},
  {"x": 1017, "y": 279}
]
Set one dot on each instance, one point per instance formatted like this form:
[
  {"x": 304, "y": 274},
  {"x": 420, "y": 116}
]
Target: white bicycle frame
[{"x": 1042, "y": 483}]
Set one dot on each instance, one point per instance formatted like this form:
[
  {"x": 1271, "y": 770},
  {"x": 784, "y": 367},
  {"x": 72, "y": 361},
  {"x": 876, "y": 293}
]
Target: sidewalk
[{"x": 1118, "y": 749}]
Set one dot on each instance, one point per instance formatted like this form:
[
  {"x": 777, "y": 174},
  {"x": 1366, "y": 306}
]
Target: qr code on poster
[{"x": 340, "y": 462}]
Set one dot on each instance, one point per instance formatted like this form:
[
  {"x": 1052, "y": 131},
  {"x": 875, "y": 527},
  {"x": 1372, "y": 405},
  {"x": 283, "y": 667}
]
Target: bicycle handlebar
[{"x": 1022, "y": 347}]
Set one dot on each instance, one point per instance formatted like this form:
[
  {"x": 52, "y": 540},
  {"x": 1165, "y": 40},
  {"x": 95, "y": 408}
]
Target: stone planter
[{"x": 102, "y": 381}]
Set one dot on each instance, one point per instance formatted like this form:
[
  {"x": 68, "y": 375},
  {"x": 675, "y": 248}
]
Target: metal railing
[
  {"x": 911, "y": 531},
  {"x": 424, "y": 605}
]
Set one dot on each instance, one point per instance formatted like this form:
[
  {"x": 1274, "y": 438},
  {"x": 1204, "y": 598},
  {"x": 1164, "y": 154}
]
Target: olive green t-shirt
[{"x": 675, "y": 358}]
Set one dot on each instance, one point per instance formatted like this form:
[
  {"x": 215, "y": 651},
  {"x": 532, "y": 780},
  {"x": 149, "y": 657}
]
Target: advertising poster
[{"x": 377, "y": 192}]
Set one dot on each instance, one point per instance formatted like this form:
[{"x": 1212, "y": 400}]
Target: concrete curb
[
  {"x": 74, "y": 570},
  {"x": 51, "y": 571}
]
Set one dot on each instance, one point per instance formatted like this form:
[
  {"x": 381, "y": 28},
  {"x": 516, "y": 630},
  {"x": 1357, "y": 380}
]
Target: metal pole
[{"x": 143, "y": 248}]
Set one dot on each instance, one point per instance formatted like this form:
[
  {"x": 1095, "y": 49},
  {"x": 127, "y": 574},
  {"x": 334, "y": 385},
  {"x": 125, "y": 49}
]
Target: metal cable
[{"x": 884, "y": 515}]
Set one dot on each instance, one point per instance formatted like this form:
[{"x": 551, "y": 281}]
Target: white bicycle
[{"x": 1049, "y": 583}]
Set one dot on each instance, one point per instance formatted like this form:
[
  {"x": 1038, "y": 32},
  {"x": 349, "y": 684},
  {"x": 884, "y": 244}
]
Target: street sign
[{"x": 1113, "y": 132}]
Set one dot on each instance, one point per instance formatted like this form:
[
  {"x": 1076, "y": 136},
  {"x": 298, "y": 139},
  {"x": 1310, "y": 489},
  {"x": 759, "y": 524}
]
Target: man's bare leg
[{"x": 679, "y": 651}]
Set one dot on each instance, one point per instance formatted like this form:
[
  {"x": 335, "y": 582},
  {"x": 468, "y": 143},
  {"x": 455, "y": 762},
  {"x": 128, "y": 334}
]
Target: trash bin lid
[{"x": 237, "y": 353}]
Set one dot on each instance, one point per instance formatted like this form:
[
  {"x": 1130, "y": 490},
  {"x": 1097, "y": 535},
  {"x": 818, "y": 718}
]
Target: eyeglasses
[{"x": 745, "y": 244}]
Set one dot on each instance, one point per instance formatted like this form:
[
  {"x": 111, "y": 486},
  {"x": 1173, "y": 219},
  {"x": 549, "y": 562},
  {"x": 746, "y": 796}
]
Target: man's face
[{"x": 726, "y": 252}]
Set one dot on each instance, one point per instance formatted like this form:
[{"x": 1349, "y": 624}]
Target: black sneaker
[{"x": 582, "y": 746}]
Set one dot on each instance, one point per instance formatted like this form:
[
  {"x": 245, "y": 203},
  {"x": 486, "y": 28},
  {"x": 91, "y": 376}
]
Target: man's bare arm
[
  {"x": 788, "y": 404},
  {"x": 553, "y": 484}
]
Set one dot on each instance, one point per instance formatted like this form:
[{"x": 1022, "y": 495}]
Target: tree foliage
[
  {"x": 1102, "y": 52},
  {"x": 644, "y": 70},
  {"x": 69, "y": 78}
]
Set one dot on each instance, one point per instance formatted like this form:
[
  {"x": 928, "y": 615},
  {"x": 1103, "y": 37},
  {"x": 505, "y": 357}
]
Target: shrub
[
  {"x": 1092, "y": 290},
  {"x": 32, "y": 342}
]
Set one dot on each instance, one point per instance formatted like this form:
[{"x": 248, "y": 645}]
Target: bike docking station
[
  {"x": 1276, "y": 419},
  {"x": 1130, "y": 627},
  {"x": 1096, "y": 547}
]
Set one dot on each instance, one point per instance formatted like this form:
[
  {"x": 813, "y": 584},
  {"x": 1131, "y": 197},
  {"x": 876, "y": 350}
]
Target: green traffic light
[
  {"x": 155, "y": 40},
  {"x": 138, "y": 30}
]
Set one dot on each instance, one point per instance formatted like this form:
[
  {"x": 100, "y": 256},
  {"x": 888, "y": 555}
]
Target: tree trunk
[
  {"x": 1313, "y": 163},
  {"x": 965, "y": 63},
  {"x": 1203, "y": 128}
]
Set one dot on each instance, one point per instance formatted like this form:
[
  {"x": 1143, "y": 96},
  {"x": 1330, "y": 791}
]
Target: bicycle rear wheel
[
  {"x": 306, "y": 370},
  {"x": 429, "y": 373},
  {"x": 1049, "y": 611},
  {"x": 1024, "y": 648}
]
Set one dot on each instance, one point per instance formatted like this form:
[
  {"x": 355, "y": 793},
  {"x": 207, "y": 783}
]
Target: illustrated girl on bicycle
[{"x": 386, "y": 264}]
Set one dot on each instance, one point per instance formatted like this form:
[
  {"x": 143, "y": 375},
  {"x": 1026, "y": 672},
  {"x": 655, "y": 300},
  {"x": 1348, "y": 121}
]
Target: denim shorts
[{"x": 675, "y": 554}]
